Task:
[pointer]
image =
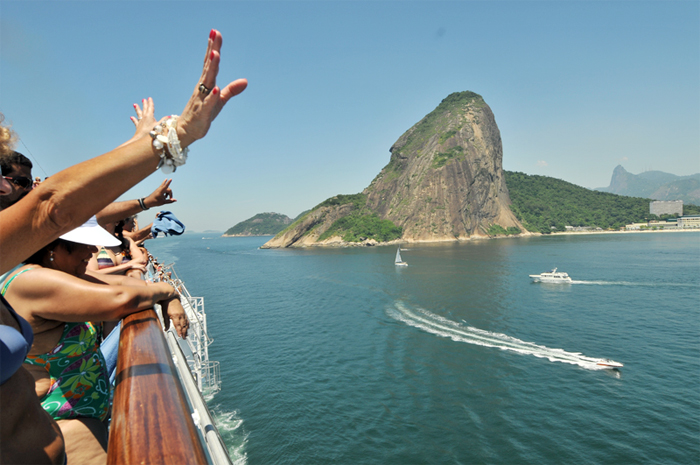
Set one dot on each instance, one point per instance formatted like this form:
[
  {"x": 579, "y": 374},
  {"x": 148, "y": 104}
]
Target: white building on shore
[
  {"x": 666, "y": 207},
  {"x": 688, "y": 222}
]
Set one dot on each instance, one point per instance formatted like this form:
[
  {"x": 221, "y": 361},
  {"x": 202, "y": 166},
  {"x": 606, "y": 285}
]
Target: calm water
[{"x": 337, "y": 356}]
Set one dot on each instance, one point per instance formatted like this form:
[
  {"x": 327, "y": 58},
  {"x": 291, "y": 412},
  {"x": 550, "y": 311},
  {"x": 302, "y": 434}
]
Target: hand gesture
[
  {"x": 161, "y": 196},
  {"x": 144, "y": 119},
  {"x": 173, "y": 311},
  {"x": 207, "y": 99}
]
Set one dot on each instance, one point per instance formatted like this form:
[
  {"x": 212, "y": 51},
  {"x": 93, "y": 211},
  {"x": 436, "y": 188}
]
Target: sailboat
[{"x": 398, "y": 261}]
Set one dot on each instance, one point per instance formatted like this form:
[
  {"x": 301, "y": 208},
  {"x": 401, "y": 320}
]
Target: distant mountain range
[
  {"x": 445, "y": 182},
  {"x": 655, "y": 185}
]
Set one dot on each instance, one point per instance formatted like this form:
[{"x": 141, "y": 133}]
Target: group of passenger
[{"x": 74, "y": 261}]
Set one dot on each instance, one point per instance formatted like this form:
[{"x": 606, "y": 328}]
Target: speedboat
[
  {"x": 551, "y": 277},
  {"x": 607, "y": 363}
]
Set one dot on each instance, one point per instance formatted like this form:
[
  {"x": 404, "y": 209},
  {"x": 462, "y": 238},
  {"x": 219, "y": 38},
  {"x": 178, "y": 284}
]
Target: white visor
[{"x": 91, "y": 233}]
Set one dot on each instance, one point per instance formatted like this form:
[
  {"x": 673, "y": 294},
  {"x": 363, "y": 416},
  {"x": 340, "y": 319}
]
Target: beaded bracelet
[{"x": 171, "y": 153}]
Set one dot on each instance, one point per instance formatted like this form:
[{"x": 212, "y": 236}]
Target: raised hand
[
  {"x": 144, "y": 119},
  {"x": 161, "y": 196},
  {"x": 207, "y": 99}
]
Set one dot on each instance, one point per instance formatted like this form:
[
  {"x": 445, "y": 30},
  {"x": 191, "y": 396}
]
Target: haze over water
[{"x": 338, "y": 356}]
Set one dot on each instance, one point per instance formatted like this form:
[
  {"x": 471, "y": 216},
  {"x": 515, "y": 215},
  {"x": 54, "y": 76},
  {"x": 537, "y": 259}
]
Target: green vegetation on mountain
[
  {"x": 262, "y": 224},
  {"x": 545, "y": 204},
  {"x": 360, "y": 224},
  {"x": 358, "y": 201},
  {"x": 438, "y": 121},
  {"x": 357, "y": 227},
  {"x": 690, "y": 209},
  {"x": 498, "y": 230}
]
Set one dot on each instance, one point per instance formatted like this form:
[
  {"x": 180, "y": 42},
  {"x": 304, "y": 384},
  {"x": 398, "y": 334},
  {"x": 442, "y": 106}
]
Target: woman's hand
[
  {"x": 207, "y": 99},
  {"x": 162, "y": 195},
  {"x": 173, "y": 310},
  {"x": 144, "y": 119}
]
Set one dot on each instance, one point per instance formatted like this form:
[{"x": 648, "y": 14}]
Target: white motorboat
[
  {"x": 551, "y": 277},
  {"x": 610, "y": 364},
  {"x": 398, "y": 261}
]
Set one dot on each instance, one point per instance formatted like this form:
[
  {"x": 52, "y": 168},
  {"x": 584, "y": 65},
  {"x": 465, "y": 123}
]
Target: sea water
[{"x": 338, "y": 356}]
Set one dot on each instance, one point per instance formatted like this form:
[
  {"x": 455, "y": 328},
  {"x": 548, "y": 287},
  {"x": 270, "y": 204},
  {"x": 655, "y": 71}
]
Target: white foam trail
[
  {"x": 440, "y": 326},
  {"x": 230, "y": 427},
  {"x": 627, "y": 283}
]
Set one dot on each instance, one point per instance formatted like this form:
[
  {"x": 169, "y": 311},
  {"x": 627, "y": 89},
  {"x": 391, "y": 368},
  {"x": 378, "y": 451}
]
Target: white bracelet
[{"x": 171, "y": 153}]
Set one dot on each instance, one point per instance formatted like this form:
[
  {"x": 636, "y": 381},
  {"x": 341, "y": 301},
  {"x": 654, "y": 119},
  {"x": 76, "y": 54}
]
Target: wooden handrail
[{"x": 151, "y": 421}]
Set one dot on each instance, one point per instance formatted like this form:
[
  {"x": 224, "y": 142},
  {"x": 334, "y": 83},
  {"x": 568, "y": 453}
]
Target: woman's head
[
  {"x": 69, "y": 257},
  {"x": 71, "y": 252}
]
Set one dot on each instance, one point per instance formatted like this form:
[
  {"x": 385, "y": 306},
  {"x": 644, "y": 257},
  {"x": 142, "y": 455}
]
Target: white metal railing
[
  {"x": 196, "y": 346},
  {"x": 200, "y": 376}
]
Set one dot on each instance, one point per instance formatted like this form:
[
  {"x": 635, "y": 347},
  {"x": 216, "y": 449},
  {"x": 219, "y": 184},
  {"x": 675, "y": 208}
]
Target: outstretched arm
[
  {"x": 53, "y": 295},
  {"x": 68, "y": 198},
  {"x": 140, "y": 235},
  {"x": 116, "y": 211}
]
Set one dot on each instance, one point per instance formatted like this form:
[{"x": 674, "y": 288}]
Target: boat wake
[
  {"x": 627, "y": 283},
  {"x": 440, "y": 326},
  {"x": 231, "y": 430}
]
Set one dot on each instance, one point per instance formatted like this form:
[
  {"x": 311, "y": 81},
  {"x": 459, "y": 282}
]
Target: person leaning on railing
[{"x": 61, "y": 203}]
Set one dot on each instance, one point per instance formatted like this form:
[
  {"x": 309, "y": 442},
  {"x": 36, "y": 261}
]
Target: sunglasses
[{"x": 20, "y": 181}]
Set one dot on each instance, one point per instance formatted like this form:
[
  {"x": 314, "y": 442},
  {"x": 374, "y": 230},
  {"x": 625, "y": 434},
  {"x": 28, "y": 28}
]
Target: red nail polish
[
  {"x": 212, "y": 34},
  {"x": 211, "y": 55},
  {"x": 135, "y": 106},
  {"x": 215, "y": 90}
]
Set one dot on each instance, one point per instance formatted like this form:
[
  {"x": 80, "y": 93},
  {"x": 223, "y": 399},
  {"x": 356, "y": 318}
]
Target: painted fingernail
[
  {"x": 211, "y": 55},
  {"x": 215, "y": 90},
  {"x": 135, "y": 106},
  {"x": 212, "y": 34}
]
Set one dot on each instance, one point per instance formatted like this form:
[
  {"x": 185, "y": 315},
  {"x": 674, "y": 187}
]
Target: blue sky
[{"x": 576, "y": 88}]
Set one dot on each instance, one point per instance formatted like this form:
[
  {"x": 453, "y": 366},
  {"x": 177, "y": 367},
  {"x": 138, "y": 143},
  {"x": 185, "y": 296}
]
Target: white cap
[{"x": 91, "y": 233}]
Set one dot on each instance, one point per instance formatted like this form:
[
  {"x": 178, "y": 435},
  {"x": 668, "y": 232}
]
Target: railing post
[{"x": 151, "y": 420}]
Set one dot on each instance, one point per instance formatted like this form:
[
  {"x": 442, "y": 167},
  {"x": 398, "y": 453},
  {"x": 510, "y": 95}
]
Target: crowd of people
[{"x": 73, "y": 261}]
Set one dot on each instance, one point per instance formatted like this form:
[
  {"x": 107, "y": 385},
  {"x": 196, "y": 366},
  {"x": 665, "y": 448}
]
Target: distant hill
[
  {"x": 655, "y": 185},
  {"x": 545, "y": 204},
  {"x": 262, "y": 224}
]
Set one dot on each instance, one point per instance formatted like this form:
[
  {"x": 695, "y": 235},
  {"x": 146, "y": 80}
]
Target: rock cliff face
[
  {"x": 444, "y": 181},
  {"x": 445, "y": 178}
]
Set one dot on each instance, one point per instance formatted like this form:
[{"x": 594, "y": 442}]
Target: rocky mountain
[
  {"x": 262, "y": 224},
  {"x": 444, "y": 182},
  {"x": 655, "y": 185}
]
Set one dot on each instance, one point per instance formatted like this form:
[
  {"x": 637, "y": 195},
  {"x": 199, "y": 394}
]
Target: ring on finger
[{"x": 204, "y": 89}]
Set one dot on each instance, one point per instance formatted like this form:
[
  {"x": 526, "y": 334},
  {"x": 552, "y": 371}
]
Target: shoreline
[
  {"x": 341, "y": 244},
  {"x": 570, "y": 233}
]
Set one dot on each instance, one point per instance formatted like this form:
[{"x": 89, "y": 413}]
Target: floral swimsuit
[{"x": 79, "y": 382}]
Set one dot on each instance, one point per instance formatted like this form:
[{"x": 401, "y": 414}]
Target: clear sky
[{"x": 577, "y": 87}]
